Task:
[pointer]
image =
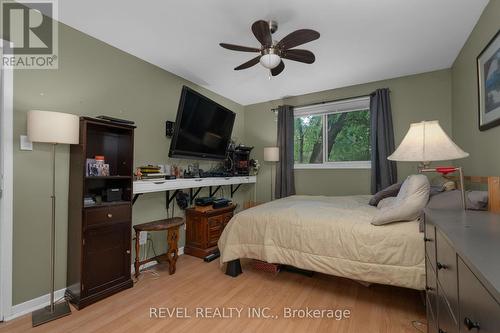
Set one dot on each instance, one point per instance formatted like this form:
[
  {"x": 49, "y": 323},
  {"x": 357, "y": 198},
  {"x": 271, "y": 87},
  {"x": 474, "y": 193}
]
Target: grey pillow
[
  {"x": 475, "y": 200},
  {"x": 390, "y": 191}
]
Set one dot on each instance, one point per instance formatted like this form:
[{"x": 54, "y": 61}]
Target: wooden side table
[
  {"x": 172, "y": 226},
  {"x": 204, "y": 227}
]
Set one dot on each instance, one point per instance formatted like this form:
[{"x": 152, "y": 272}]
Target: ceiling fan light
[{"x": 270, "y": 60}]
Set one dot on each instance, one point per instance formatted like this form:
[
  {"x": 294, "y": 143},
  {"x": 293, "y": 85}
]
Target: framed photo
[{"x": 488, "y": 74}]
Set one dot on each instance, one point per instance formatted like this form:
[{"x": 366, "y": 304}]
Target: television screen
[{"x": 202, "y": 129}]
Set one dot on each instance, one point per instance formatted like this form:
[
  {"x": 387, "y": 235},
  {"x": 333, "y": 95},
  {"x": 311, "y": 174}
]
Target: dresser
[
  {"x": 462, "y": 251},
  {"x": 203, "y": 229},
  {"x": 99, "y": 233}
]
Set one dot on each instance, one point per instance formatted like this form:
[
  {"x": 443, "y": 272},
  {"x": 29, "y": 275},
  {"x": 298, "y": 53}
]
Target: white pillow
[
  {"x": 409, "y": 203},
  {"x": 386, "y": 202}
]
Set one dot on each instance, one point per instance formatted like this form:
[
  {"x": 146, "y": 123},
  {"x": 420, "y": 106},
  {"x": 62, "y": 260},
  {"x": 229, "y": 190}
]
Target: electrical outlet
[{"x": 143, "y": 237}]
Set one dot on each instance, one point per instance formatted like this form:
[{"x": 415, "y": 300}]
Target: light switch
[{"x": 25, "y": 143}]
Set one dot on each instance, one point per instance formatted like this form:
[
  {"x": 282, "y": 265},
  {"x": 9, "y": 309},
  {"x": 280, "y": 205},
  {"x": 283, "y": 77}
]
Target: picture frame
[{"x": 488, "y": 79}]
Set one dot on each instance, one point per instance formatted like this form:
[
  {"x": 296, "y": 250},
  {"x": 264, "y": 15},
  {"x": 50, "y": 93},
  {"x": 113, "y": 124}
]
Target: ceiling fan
[{"x": 271, "y": 52}]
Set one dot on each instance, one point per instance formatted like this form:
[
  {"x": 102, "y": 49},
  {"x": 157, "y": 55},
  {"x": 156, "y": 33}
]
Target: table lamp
[
  {"x": 426, "y": 142},
  {"x": 53, "y": 128},
  {"x": 272, "y": 154}
]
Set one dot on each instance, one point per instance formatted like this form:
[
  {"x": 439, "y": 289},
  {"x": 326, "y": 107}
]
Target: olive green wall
[
  {"x": 93, "y": 79},
  {"x": 484, "y": 157},
  {"x": 414, "y": 98}
]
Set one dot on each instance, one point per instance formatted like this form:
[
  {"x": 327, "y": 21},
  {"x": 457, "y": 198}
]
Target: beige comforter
[{"x": 331, "y": 235}]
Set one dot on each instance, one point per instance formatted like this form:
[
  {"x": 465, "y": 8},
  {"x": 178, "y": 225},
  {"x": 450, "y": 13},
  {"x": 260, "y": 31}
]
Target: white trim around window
[
  {"x": 324, "y": 109},
  {"x": 347, "y": 105},
  {"x": 335, "y": 165}
]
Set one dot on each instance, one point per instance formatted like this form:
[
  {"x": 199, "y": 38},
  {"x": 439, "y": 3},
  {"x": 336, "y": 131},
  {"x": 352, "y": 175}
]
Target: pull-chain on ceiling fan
[{"x": 271, "y": 52}]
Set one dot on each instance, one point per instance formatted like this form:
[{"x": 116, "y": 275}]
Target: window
[{"x": 347, "y": 140}]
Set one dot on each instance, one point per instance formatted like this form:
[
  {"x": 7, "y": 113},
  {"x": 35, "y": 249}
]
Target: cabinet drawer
[
  {"x": 431, "y": 287},
  {"x": 214, "y": 222},
  {"x": 446, "y": 268},
  {"x": 102, "y": 215},
  {"x": 445, "y": 320},
  {"x": 430, "y": 243},
  {"x": 477, "y": 306}
]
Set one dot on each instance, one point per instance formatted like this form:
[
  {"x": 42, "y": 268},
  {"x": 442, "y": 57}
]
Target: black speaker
[{"x": 169, "y": 128}]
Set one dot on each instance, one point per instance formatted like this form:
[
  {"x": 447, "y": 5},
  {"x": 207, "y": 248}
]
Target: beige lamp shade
[
  {"x": 53, "y": 127},
  {"x": 271, "y": 154},
  {"x": 425, "y": 142}
]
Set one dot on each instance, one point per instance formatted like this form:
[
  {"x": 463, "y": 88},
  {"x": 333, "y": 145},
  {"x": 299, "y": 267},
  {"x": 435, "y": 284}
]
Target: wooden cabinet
[
  {"x": 203, "y": 229},
  {"x": 462, "y": 271},
  {"x": 99, "y": 234}
]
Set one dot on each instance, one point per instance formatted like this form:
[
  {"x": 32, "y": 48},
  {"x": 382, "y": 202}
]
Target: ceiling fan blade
[
  {"x": 239, "y": 48},
  {"x": 248, "y": 64},
  {"x": 278, "y": 69},
  {"x": 299, "y": 55},
  {"x": 261, "y": 31},
  {"x": 297, "y": 38}
]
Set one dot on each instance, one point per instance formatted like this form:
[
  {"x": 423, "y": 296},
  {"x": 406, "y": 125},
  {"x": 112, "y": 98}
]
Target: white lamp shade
[
  {"x": 53, "y": 127},
  {"x": 271, "y": 154},
  {"x": 270, "y": 60},
  {"x": 425, "y": 142}
]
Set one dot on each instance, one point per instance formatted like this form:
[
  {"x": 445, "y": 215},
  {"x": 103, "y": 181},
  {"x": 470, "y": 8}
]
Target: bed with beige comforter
[{"x": 330, "y": 235}]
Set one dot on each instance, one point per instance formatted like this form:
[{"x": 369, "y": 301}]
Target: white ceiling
[{"x": 361, "y": 40}]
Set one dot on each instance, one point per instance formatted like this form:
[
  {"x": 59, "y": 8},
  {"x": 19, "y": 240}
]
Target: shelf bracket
[
  {"x": 233, "y": 191},
  {"x": 193, "y": 196},
  {"x": 136, "y": 196},
  {"x": 214, "y": 192},
  {"x": 170, "y": 198}
]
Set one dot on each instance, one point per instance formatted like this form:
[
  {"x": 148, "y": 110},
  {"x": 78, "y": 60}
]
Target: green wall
[
  {"x": 484, "y": 157},
  {"x": 414, "y": 98},
  {"x": 93, "y": 79}
]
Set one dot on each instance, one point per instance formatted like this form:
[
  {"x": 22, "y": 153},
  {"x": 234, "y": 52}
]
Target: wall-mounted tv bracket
[{"x": 169, "y": 128}]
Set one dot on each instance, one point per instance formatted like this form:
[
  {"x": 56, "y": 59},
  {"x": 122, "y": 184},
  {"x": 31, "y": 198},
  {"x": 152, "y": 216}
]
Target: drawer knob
[
  {"x": 429, "y": 288},
  {"x": 128, "y": 251},
  {"x": 427, "y": 239},
  {"x": 440, "y": 265},
  {"x": 441, "y": 331},
  {"x": 470, "y": 324},
  {"x": 110, "y": 215}
]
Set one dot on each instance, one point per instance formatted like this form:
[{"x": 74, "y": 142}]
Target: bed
[
  {"x": 333, "y": 235},
  {"x": 330, "y": 235}
]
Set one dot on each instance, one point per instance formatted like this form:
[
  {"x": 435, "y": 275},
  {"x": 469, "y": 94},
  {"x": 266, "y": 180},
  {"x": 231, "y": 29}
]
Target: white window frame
[
  {"x": 6, "y": 184},
  {"x": 342, "y": 106}
]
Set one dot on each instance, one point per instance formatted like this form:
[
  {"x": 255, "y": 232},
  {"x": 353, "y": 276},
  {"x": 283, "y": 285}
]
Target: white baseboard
[
  {"x": 37, "y": 303},
  {"x": 34, "y": 304}
]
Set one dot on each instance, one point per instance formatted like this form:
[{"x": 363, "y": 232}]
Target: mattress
[{"x": 331, "y": 235}]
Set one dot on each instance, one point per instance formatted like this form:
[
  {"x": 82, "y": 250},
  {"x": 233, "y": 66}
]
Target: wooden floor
[{"x": 197, "y": 284}]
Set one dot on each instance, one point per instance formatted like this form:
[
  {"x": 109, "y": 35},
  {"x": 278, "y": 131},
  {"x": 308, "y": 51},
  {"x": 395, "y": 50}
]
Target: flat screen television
[{"x": 202, "y": 128}]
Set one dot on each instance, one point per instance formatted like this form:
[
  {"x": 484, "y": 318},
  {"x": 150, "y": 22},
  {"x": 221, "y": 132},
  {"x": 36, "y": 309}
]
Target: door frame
[{"x": 6, "y": 185}]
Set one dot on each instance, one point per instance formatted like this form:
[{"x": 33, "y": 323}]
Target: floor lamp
[
  {"x": 272, "y": 154},
  {"x": 426, "y": 142},
  {"x": 53, "y": 128}
]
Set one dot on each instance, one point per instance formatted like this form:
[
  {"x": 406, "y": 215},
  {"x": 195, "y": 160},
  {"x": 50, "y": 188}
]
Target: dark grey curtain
[
  {"x": 383, "y": 171},
  {"x": 285, "y": 184}
]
